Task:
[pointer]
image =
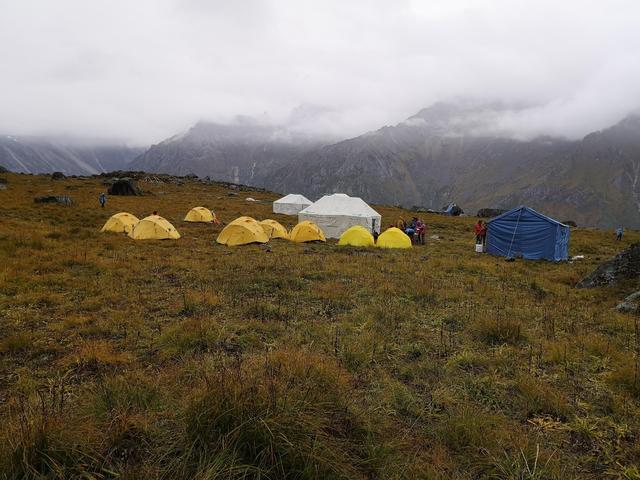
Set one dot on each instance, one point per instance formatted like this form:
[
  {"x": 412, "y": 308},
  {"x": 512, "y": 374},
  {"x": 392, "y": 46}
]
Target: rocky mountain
[
  {"x": 246, "y": 151},
  {"x": 444, "y": 153},
  {"x": 70, "y": 156}
]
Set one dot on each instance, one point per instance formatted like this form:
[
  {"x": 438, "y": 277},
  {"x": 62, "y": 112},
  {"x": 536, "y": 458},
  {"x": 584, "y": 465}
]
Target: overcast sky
[{"x": 142, "y": 70}]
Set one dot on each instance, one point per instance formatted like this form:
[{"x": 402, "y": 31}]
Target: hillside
[
  {"x": 439, "y": 156},
  {"x": 445, "y": 153},
  {"x": 187, "y": 359},
  {"x": 69, "y": 156},
  {"x": 245, "y": 152}
]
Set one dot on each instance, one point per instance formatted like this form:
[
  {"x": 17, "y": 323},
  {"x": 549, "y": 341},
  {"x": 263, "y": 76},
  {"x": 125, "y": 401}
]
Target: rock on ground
[
  {"x": 625, "y": 265},
  {"x": 630, "y": 304},
  {"x": 124, "y": 186},
  {"x": 490, "y": 212},
  {"x": 58, "y": 200}
]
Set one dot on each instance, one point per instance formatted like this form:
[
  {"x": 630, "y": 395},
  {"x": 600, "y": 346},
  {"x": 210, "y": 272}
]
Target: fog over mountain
[
  {"x": 485, "y": 103},
  {"x": 144, "y": 70},
  {"x": 448, "y": 152}
]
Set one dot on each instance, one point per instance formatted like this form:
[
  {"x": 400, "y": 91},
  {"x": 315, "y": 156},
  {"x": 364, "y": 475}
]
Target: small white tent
[
  {"x": 291, "y": 204},
  {"x": 336, "y": 213}
]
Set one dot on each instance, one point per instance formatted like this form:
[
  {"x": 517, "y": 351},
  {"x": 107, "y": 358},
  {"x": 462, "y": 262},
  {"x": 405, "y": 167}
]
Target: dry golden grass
[{"x": 188, "y": 359}]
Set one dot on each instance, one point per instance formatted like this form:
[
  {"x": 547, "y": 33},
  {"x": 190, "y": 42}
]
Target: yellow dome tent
[
  {"x": 306, "y": 232},
  {"x": 357, "y": 236},
  {"x": 122, "y": 222},
  {"x": 241, "y": 231},
  {"x": 154, "y": 227},
  {"x": 393, "y": 238},
  {"x": 200, "y": 214},
  {"x": 274, "y": 229}
]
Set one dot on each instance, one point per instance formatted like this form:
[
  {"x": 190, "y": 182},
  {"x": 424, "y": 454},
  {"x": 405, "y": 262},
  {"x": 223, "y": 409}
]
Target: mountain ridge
[
  {"x": 71, "y": 156},
  {"x": 444, "y": 153}
]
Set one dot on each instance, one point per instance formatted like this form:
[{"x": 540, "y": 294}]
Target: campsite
[{"x": 186, "y": 358}]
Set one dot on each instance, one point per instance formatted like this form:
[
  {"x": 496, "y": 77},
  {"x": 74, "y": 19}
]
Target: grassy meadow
[{"x": 187, "y": 359}]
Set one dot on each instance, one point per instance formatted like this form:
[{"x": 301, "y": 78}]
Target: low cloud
[{"x": 145, "y": 70}]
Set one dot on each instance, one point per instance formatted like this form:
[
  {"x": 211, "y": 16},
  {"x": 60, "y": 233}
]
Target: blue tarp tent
[{"x": 523, "y": 232}]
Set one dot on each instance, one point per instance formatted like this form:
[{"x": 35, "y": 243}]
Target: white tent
[
  {"x": 291, "y": 204},
  {"x": 336, "y": 213}
]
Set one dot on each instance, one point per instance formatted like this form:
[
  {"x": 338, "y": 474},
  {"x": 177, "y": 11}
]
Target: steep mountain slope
[
  {"x": 444, "y": 153},
  {"x": 70, "y": 156},
  {"x": 244, "y": 152},
  {"x": 440, "y": 155}
]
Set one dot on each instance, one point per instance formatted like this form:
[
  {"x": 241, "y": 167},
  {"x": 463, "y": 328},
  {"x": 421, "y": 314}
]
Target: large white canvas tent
[
  {"x": 336, "y": 213},
  {"x": 291, "y": 204}
]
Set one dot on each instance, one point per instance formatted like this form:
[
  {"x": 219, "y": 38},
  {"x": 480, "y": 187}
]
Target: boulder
[
  {"x": 630, "y": 304},
  {"x": 58, "y": 176},
  {"x": 490, "y": 212},
  {"x": 57, "y": 200},
  {"x": 124, "y": 186},
  {"x": 624, "y": 266}
]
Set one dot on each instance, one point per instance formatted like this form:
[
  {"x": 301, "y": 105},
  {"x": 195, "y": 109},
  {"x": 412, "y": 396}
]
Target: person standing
[
  {"x": 421, "y": 231},
  {"x": 478, "y": 229},
  {"x": 410, "y": 232},
  {"x": 483, "y": 235},
  {"x": 619, "y": 233},
  {"x": 102, "y": 199}
]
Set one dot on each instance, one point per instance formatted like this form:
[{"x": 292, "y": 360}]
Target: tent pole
[{"x": 514, "y": 234}]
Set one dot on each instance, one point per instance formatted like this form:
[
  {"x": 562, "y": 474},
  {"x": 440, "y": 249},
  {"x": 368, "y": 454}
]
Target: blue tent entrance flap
[{"x": 523, "y": 232}]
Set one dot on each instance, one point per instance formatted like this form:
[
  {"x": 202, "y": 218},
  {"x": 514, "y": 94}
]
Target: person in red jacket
[{"x": 481, "y": 232}]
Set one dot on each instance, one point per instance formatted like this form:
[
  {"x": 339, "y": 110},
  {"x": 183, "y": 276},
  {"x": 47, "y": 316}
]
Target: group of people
[{"x": 416, "y": 230}]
